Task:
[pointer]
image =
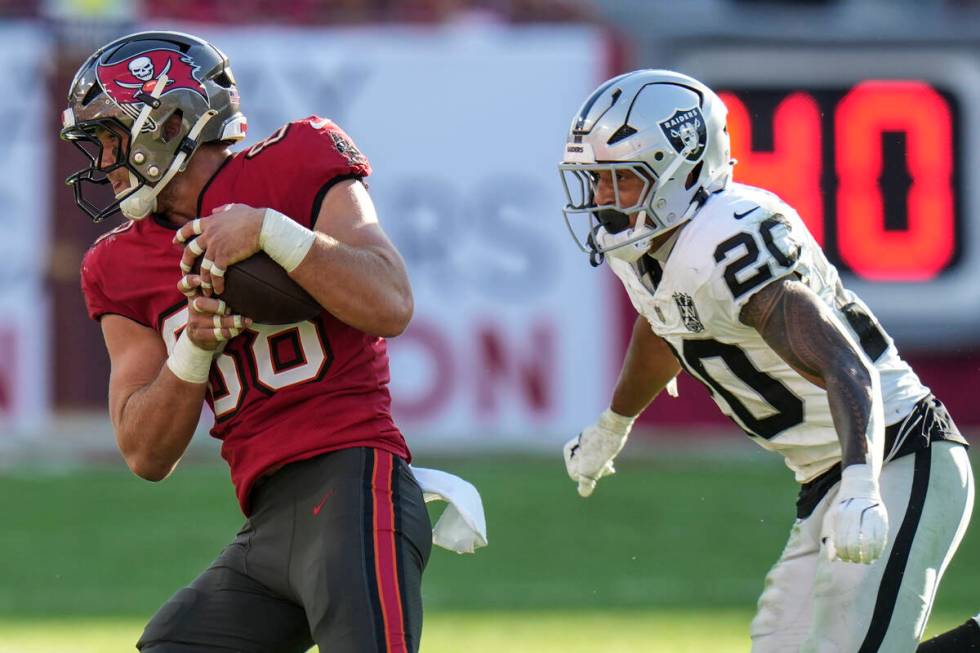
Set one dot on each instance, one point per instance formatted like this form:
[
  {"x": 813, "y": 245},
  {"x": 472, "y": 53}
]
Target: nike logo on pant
[{"x": 319, "y": 506}]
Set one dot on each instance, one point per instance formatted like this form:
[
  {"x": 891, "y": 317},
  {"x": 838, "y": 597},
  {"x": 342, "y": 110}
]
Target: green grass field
[{"x": 669, "y": 555}]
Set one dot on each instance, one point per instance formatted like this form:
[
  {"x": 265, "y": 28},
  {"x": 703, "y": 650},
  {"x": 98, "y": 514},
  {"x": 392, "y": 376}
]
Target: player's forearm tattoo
[{"x": 799, "y": 328}]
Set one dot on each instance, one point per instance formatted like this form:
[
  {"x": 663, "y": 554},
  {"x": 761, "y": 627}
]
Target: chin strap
[
  {"x": 596, "y": 258},
  {"x": 144, "y": 201},
  {"x": 152, "y": 102}
]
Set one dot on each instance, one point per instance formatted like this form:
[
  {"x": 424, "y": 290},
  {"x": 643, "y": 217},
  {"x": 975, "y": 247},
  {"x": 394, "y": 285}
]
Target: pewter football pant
[
  {"x": 332, "y": 554},
  {"x": 811, "y": 604}
]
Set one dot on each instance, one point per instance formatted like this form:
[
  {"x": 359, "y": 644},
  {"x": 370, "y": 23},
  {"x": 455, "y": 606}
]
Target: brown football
[{"x": 259, "y": 288}]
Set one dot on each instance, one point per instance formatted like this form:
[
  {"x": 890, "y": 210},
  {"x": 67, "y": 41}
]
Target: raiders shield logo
[
  {"x": 685, "y": 131},
  {"x": 688, "y": 312}
]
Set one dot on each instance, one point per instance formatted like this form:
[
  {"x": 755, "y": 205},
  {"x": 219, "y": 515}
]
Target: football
[{"x": 260, "y": 289}]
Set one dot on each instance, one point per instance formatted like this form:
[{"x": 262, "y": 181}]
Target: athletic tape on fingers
[
  {"x": 195, "y": 225},
  {"x": 184, "y": 286}
]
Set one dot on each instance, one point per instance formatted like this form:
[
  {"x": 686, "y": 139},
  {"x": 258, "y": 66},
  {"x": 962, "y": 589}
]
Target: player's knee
[{"x": 164, "y": 625}]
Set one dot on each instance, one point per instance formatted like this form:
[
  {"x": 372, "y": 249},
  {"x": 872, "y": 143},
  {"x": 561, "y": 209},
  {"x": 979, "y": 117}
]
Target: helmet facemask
[
  {"x": 599, "y": 229},
  {"x": 89, "y": 137}
]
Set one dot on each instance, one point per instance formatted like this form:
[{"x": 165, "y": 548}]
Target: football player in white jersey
[{"x": 730, "y": 286}]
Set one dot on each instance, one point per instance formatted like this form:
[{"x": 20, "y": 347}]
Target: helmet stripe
[{"x": 587, "y": 107}]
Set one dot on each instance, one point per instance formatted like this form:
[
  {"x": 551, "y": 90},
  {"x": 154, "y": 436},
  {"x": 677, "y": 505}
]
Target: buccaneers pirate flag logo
[{"x": 131, "y": 80}]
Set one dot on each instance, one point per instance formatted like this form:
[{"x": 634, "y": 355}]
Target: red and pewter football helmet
[{"x": 128, "y": 90}]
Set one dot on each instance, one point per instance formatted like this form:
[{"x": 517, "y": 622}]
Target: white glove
[
  {"x": 589, "y": 456},
  {"x": 859, "y": 524}
]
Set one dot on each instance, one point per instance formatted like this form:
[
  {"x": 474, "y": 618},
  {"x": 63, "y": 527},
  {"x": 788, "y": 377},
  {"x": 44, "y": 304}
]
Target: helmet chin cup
[
  {"x": 140, "y": 204},
  {"x": 627, "y": 245},
  {"x": 632, "y": 252}
]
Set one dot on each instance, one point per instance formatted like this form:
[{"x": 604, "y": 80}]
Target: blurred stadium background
[{"x": 865, "y": 114}]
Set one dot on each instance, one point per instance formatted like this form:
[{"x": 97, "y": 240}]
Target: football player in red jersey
[{"x": 337, "y": 535}]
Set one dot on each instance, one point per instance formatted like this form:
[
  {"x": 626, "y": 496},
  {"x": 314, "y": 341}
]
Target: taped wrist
[
  {"x": 859, "y": 481},
  {"x": 616, "y": 423},
  {"x": 189, "y": 362},
  {"x": 285, "y": 241}
]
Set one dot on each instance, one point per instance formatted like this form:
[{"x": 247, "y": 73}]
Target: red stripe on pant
[{"x": 385, "y": 557}]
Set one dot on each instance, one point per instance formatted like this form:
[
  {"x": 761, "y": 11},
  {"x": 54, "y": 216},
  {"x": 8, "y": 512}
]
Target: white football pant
[{"x": 811, "y": 604}]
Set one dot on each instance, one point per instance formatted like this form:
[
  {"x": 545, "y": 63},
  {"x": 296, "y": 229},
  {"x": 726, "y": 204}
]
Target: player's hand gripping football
[
  {"x": 232, "y": 237},
  {"x": 209, "y": 324},
  {"x": 859, "y": 523},
  {"x": 589, "y": 456}
]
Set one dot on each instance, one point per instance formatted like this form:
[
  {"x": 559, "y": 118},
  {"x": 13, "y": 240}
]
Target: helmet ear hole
[
  {"x": 693, "y": 176},
  {"x": 172, "y": 126},
  {"x": 658, "y": 156}
]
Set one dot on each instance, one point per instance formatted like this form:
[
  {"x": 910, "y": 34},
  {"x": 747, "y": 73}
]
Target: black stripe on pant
[{"x": 891, "y": 581}]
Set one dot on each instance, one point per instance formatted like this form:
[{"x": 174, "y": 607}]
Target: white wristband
[
  {"x": 189, "y": 362},
  {"x": 285, "y": 241},
  {"x": 858, "y": 481},
  {"x": 618, "y": 424}
]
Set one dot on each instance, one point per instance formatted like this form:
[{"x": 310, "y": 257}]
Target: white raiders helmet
[{"x": 666, "y": 128}]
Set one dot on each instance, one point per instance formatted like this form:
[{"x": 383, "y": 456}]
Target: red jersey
[{"x": 279, "y": 393}]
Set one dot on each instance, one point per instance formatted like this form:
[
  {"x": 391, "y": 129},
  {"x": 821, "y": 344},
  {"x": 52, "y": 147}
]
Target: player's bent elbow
[
  {"x": 147, "y": 467},
  {"x": 398, "y": 318}
]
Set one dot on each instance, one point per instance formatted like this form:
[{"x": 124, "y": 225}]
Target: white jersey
[{"x": 741, "y": 240}]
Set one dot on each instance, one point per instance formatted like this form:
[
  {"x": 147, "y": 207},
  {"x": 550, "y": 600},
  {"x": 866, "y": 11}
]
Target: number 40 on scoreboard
[{"x": 871, "y": 168}]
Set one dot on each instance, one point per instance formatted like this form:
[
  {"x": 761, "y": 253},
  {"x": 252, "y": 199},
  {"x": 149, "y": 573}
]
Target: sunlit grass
[
  {"x": 668, "y": 555},
  {"x": 574, "y": 631}
]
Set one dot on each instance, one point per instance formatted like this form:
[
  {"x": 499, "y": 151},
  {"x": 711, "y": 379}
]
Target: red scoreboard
[{"x": 876, "y": 149}]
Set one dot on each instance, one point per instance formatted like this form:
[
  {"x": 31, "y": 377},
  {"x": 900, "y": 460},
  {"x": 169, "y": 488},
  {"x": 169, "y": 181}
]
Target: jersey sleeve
[
  {"x": 101, "y": 296},
  {"x": 96, "y": 302},
  {"x": 308, "y": 157},
  {"x": 759, "y": 250}
]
